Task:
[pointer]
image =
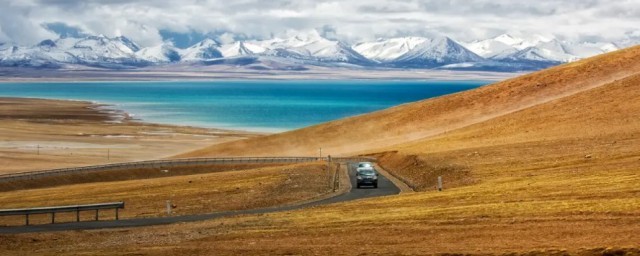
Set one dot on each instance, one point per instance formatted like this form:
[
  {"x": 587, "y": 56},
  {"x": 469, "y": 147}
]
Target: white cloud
[
  {"x": 21, "y": 20},
  {"x": 16, "y": 25},
  {"x": 227, "y": 38}
]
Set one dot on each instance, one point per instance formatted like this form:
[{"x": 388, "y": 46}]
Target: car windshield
[
  {"x": 364, "y": 165},
  {"x": 367, "y": 172}
]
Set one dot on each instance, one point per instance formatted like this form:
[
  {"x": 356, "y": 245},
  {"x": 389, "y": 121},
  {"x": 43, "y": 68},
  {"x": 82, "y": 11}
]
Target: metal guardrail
[
  {"x": 144, "y": 164},
  {"x": 67, "y": 208},
  {"x": 171, "y": 163}
]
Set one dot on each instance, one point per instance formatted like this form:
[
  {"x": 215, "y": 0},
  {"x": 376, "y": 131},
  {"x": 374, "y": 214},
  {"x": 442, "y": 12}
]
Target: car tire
[{"x": 375, "y": 185}]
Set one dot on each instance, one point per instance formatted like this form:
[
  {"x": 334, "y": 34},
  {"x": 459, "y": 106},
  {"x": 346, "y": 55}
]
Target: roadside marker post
[
  {"x": 168, "y": 207},
  {"x": 439, "y": 183}
]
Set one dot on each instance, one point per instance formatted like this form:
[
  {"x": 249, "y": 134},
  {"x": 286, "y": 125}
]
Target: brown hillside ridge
[{"x": 431, "y": 117}]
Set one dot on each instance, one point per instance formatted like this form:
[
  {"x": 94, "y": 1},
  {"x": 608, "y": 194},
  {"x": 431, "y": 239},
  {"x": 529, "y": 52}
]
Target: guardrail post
[
  {"x": 77, "y": 215},
  {"x": 53, "y": 217},
  {"x": 97, "y": 214},
  {"x": 116, "y": 213},
  {"x": 27, "y": 219},
  {"x": 336, "y": 178}
]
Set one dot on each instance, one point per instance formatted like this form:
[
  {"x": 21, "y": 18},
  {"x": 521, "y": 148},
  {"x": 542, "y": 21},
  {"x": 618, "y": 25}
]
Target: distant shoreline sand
[
  {"x": 15, "y": 75},
  {"x": 44, "y": 134}
]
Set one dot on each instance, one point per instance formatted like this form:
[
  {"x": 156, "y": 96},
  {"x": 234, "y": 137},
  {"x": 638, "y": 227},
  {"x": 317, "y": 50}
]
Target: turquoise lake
[{"x": 270, "y": 106}]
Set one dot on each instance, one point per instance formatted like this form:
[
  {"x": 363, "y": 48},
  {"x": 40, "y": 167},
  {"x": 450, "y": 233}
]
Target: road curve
[{"x": 385, "y": 187}]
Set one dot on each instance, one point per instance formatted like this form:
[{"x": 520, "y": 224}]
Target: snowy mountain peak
[
  {"x": 159, "y": 54},
  {"x": 536, "y": 48},
  {"x": 208, "y": 42},
  {"x": 240, "y": 49},
  {"x": 437, "y": 52},
  {"x": 508, "y": 39},
  {"x": 521, "y": 42},
  {"x": 310, "y": 45},
  {"x": 489, "y": 48},
  {"x": 126, "y": 41},
  {"x": 119, "y": 46},
  {"x": 551, "y": 51},
  {"x": 204, "y": 50},
  {"x": 295, "y": 41},
  {"x": 387, "y": 49}
]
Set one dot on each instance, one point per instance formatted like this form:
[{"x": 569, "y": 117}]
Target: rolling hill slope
[
  {"x": 544, "y": 164},
  {"x": 432, "y": 117}
]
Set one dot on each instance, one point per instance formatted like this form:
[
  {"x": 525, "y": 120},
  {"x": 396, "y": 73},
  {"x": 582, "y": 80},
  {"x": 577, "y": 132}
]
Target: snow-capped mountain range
[
  {"x": 501, "y": 53},
  {"x": 537, "y": 48}
]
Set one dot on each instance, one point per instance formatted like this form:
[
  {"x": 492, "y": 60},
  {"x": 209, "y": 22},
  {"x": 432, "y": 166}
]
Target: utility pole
[
  {"x": 320, "y": 152},
  {"x": 38, "y": 146},
  {"x": 108, "y": 154}
]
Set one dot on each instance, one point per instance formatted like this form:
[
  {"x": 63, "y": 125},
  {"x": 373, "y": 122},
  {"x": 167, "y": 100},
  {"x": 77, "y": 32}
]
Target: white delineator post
[
  {"x": 439, "y": 183},
  {"x": 168, "y": 207},
  {"x": 329, "y": 171}
]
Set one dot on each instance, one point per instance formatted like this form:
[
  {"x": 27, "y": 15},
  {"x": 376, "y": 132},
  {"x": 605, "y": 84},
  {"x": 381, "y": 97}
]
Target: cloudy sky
[{"x": 150, "y": 22}]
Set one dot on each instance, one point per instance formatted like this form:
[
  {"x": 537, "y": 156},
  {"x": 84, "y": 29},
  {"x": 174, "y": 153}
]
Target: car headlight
[
  {"x": 375, "y": 177},
  {"x": 359, "y": 177}
]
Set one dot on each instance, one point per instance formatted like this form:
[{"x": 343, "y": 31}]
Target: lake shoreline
[
  {"x": 243, "y": 105},
  {"x": 43, "y": 134}
]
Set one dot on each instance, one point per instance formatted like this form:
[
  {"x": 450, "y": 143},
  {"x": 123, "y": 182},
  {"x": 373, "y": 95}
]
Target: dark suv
[{"x": 366, "y": 176}]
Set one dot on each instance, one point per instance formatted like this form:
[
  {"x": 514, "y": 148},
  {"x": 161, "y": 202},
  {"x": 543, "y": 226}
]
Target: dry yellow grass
[
  {"x": 427, "y": 118},
  {"x": 547, "y": 163},
  {"x": 124, "y": 174},
  {"x": 192, "y": 194}
]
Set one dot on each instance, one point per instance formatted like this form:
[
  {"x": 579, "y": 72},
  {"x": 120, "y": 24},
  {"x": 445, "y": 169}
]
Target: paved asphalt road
[{"x": 385, "y": 187}]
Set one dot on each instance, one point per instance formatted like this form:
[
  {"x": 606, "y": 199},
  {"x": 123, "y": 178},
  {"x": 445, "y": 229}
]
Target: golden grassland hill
[
  {"x": 132, "y": 173},
  {"x": 427, "y": 118},
  {"x": 544, "y": 161},
  {"x": 595, "y": 132},
  {"x": 543, "y": 164},
  {"x": 198, "y": 193}
]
